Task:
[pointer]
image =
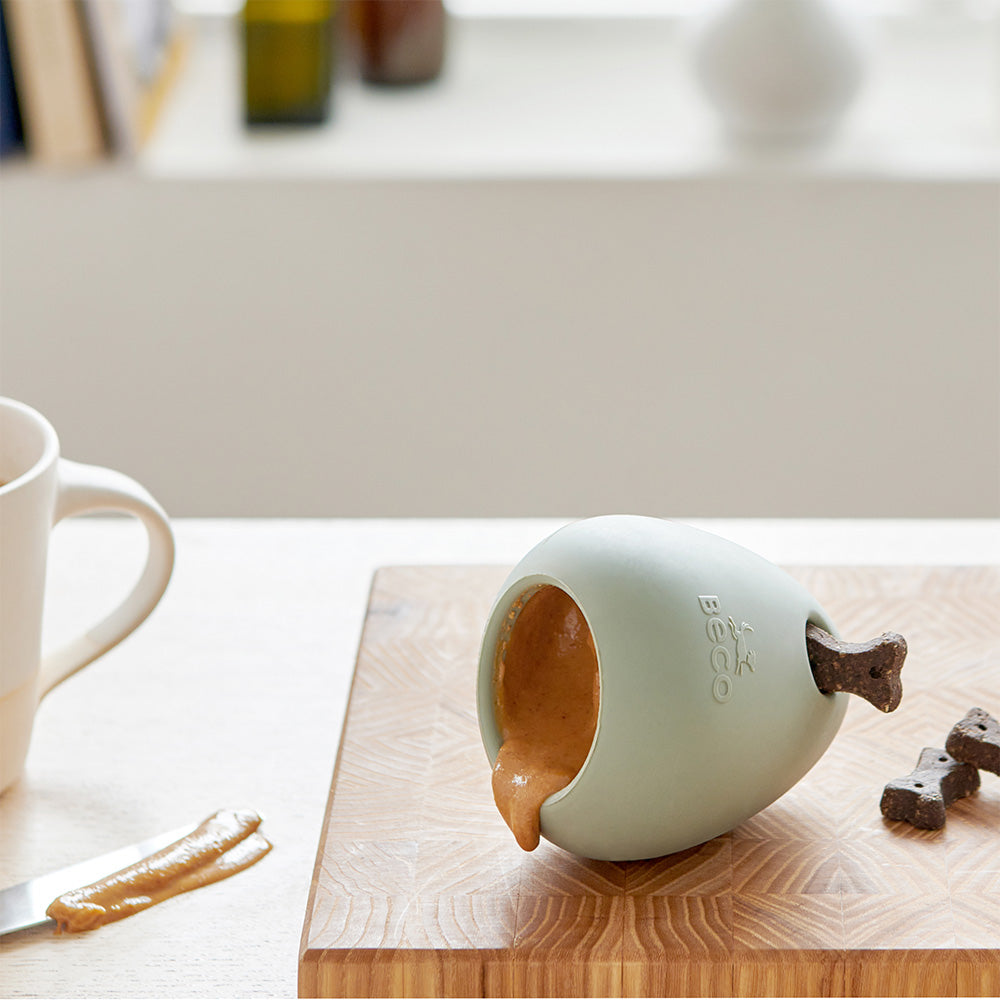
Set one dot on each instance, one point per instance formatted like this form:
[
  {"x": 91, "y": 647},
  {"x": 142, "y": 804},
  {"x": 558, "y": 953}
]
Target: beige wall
[{"x": 733, "y": 345}]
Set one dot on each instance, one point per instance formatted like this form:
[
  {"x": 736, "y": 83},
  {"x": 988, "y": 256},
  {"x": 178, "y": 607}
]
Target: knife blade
[{"x": 24, "y": 905}]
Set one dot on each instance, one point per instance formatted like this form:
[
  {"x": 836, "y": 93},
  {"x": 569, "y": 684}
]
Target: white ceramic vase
[{"x": 780, "y": 71}]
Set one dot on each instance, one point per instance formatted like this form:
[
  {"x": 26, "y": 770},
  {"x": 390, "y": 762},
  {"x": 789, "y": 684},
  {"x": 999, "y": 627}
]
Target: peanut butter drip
[
  {"x": 547, "y": 691},
  {"x": 223, "y": 845}
]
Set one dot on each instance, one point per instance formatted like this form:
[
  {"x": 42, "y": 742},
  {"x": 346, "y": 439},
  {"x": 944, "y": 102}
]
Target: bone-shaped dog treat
[
  {"x": 923, "y": 795},
  {"x": 869, "y": 669},
  {"x": 976, "y": 740}
]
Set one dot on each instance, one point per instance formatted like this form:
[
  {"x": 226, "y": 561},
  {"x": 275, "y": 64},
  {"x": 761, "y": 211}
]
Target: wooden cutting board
[{"x": 420, "y": 890}]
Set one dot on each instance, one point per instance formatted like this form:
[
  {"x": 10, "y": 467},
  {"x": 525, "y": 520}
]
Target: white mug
[{"x": 37, "y": 490}]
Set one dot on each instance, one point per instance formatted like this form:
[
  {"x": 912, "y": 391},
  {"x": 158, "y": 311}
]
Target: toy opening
[{"x": 546, "y": 696}]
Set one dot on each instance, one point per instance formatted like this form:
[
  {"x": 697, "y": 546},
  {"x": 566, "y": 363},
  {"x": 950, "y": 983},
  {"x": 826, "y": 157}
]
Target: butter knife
[{"x": 24, "y": 905}]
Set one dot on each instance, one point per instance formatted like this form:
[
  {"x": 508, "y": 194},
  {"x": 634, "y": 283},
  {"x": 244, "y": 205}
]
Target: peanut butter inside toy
[{"x": 546, "y": 694}]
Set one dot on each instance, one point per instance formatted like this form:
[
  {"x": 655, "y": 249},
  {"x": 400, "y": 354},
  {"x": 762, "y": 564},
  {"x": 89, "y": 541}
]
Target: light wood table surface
[{"x": 233, "y": 694}]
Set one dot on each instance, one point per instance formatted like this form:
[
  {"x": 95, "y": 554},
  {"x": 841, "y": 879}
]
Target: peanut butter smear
[
  {"x": 223, "y": 845},
  {"x": 546, "y": 696}
]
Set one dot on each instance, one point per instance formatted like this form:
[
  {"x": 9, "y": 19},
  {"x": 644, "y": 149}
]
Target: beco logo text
[{"x": 727, "y": 662}]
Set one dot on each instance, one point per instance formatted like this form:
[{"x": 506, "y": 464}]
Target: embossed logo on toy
[{"x": 731, "y": 651}]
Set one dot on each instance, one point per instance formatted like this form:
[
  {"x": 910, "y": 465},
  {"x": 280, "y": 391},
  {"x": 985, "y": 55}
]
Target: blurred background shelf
[
  {"x": 587, "y": 97},
  {"x": 541, "y": 285}
]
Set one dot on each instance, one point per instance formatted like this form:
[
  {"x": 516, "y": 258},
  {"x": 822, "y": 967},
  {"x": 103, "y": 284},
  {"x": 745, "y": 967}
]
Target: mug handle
[{"x": 88, "y": 488}]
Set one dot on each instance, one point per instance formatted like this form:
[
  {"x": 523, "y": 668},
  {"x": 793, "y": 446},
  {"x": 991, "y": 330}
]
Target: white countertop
[{"x": 233, "y": 694}]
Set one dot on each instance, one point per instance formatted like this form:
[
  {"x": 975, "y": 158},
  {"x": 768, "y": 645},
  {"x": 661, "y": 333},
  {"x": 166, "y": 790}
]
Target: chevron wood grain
[{"x": 420, "y": 890}]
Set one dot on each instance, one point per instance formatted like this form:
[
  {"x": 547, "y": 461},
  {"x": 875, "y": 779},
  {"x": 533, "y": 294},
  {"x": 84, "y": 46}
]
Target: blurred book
[
  {"x": 58, "y": 102},
  {"x": 115, "y": 76},
  {"x": 11, "y": 131},
  {"x": 90, "y": 75},
  {"x": 149, "y": 25},
  {"x": 157, "y": 43}
]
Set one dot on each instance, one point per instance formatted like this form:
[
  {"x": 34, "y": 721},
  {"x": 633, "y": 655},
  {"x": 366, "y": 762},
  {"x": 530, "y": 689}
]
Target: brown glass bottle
[
  {"x": 288, "y": 60},
  {"x": 401, "y": 41}
]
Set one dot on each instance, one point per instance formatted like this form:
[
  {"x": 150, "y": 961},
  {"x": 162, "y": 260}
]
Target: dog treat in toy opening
[
  {"x": 868, "y": 669},
  {"x": 546, "y": 694}
]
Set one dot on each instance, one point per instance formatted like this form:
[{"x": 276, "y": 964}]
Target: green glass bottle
[{"x": 289, "y": 50}]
